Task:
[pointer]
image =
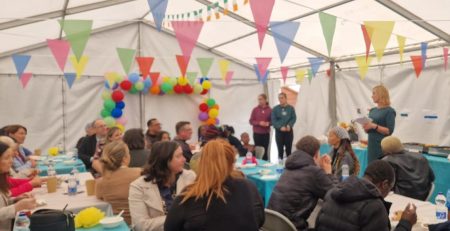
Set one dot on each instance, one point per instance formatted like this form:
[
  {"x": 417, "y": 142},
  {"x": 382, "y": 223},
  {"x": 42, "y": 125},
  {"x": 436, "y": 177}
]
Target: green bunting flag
[
  {"x": 126, "y": 58},
  {"x": 77, "y": 32},
  {"x": 328, "y": 23}
]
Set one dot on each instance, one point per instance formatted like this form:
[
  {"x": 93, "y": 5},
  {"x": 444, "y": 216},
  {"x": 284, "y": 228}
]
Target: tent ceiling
[{"x": 235, "y": 35}]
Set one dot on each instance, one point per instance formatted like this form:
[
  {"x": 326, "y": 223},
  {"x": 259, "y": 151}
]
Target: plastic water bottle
[
  {"x": 345, "y": 171},
  {"x": 75, "y": 153},
  {"x": 72, "y": 185},
  {"x": 280, "y": 167},
  {"x": 441, "y": 209},
  {"x": 22, "y": 222},
  {"x": 75, "y": 173},
  {"x": 60, "y": 148},
  {"x": 51, "y": 170}
]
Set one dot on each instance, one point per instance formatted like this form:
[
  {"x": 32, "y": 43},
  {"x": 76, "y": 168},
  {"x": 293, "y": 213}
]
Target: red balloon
[
  {"x": 204, "y": 92},
  {"x": 188, "y": 89},
  {"x": 203, "y": 107},
  {"x": 117, "y": 96},
  {"x": 126, "y": 85},
  {"x": 178, "y": 89}
]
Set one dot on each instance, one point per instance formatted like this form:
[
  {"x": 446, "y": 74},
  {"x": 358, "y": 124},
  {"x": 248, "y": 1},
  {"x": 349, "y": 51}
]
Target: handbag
[{"x": 52, "y": 219}]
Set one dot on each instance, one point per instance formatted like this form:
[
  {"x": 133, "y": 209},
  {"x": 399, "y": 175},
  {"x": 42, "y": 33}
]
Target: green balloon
[
  {"x": 139, "y": 86},
  {"x": 166, "y": 87},
  {"x": 133, "y": 90},
  {"x": 109, "y": 104},
  {"x": 109, "y": 121},
  {"x": 211, "y": 102},
  {"x": 173, "y": 81},
  {"x": 105, "y": 113}
]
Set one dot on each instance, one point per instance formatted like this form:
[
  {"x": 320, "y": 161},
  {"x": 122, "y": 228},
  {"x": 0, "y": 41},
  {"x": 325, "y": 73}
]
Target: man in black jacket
[
  {"x": 307, "y": 178},
  {"x": 90, "y": 145},
  {"x": 358, "y": 204}
]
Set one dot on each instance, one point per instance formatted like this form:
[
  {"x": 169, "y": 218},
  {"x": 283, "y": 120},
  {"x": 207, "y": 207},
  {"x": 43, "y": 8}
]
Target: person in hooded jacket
[
  {"x": 306, "y": 178},
  {"x": 357, "y": 204}
]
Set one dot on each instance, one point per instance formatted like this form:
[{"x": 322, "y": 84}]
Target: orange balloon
[
  {"x": 211, "y": 121},
  {"x": 216, "y": 106},
  {"x": 155, "y": 90}
]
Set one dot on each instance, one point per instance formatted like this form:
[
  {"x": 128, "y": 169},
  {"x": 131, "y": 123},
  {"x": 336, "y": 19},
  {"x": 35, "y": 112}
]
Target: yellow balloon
[
  {"x": 120, "y": 127},
  {"x": 182, "y": 81},
  {"x": 206, "y": 84},
  {"x": 213, "y": 113}
]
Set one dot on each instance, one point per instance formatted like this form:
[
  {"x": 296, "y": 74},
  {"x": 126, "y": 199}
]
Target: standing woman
[
  {"x": 383, "y": 122},
  {"x": 261, "y": 121},
  {"x": 283, "y": 120}
]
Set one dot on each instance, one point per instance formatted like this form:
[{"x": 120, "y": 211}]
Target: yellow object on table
[
  {"x": 53, "y": 151},
  {"x": 88, "y": 218}
]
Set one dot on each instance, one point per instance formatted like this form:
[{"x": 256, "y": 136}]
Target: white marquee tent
[{"x": 53, "y": 113}]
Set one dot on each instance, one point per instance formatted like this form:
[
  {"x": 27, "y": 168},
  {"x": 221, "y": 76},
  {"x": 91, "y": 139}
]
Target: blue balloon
[
  {"x": 133, "y": 77},
  {"x": 120, "y": 105},
  {"x": 116, "y": 113},
  {"x": 203, "y": 79},
  {"x": 147, "y": 83},
  {"x": 106, "y": 85},
  {"x": 116, "y": 85}
]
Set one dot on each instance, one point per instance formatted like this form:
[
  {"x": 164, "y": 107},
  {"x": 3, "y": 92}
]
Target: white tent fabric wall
[{"x": 83, "y": 102}]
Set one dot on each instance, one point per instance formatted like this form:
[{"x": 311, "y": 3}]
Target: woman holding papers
[{"x": 382, "y": 124}]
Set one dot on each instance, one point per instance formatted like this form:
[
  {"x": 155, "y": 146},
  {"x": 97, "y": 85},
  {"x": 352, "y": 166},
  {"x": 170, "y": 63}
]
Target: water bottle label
[{"x": 441, "y": 215}]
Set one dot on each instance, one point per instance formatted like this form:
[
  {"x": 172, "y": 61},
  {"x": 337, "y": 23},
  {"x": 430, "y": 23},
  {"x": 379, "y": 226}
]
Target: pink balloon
[{"x": 122, "y": 120}]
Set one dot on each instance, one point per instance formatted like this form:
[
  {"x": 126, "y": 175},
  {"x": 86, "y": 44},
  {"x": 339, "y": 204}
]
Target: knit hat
[
  {"x": 340, "y": 132},
  {"x": 391, "y": 145}
]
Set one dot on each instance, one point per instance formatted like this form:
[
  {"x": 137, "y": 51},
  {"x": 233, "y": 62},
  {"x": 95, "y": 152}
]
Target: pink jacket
[{"x": 18, "y": 187}]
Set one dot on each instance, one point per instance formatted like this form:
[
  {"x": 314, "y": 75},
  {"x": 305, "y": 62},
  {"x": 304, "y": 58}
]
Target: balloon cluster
[
  {"x": 113, "y": 105},
  {"x": 209, "y": 110},
  {"x": 181, "y": 85}
]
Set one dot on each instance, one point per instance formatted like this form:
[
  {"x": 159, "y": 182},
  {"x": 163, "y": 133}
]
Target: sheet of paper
[{"x": 363, "y": 120}]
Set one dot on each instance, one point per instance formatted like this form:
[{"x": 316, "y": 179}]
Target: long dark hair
[
  {"x": 134, "y": 138},
  {"x": 4, "y": 186},
  {"x": 157, "y": 169},
  {"x": 346, "y": 146}
]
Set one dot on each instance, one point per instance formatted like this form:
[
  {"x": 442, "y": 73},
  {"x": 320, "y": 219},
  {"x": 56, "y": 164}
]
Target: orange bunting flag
[
  {"x": 246, "y": 2},
  {"x": 445, "y": 58},
  {"x": 367, "y": 33},
  {"x": 216, "y": 10},
  {"x": 225, "y": 7},
  {"x": 417, "y": 63},
  {"x": 235, "y": 6},
  {"x": 208, "y": 17}
]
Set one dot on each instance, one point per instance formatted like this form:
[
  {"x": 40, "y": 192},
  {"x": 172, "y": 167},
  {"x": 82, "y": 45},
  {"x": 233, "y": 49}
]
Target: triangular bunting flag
[
  {"x": 158, "y": 9},
  {"x": 300, "y": 75},
  {"x": 283, "y": 34},
  {"x": 191, "y": 76},
  {"x": 182, "y": 64},
  {"x": 110, "y": 78},
  {"x": 25, "y": 78},
  {"x": 187, "y": 33},
  {"x": 423, "y": 49},
  {"x": 261, "y": 78},
  {"x": 310, "y": 76},
  {"x": 126, "y": 58},
  {"x": 21, "y": 62},
  {"x": 367, "y": 33},
  {"x": 261, "y": 10},
  {"x": 363, "y": 65},
  {"x": 315, "y": 63},
  {"x": 70, "y": 78},
  {"x": 60, "y": 50},
  {"x": 417, "y": 63},
  {"x": 145, "y": 64},
  {"x": 382, "y": 31},
  {"x": 445, "y": 58},
  {"x": 77, "y": 32},
  {"x": 284, "y": 72},
  {"x": 154, "y": 76},
  {"x": 223, "y": 67},
  {"x": 228, "y": 77},
  {"x": 263, "y": 64},
  {"x": 79, "y": 66},
  {"x": 328, "y": 23},
  {"x": 401, "y": 46},
  {"x": 205, "y": 65}
]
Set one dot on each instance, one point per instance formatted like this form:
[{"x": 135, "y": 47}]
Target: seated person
[
  {"x": 89, "y": 129},
  {"x": 163, "y": 178},
  {"x": 184, "y": 133},
  {"x": 245, "y": 139},
  {"x": 342, "y": 152},
  {"x": 229, "y": 134},
  {"x": 24, "y": 173},
  {"x": 163, "y": 136},
  {"x": 92, "y": 144},
  {"x": 306, "y": 178},
  {"x": 413, "y": 174},
  {"x": 135, "y": 140},
  {"x": 19, "y": 134},
  {"x": 219, "y": 199},
  {"x": 114, "y": 134},
  {"x": 212, "y": 133},
  {"x": 114, "y": 185},
  {"x": 357, "y": 204},
  {"x": 151, "y": 135}
]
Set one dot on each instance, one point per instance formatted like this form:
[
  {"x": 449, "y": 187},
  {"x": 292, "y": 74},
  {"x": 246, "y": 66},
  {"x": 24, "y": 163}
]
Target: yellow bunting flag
[
  {"x": 246, "y": 2},
  {"x": 401, "y": 46},
  {"x": 79, "y": 65},
  {"x": 300, "y": 75},
  {"x": 111, "y": 78},
  {"x": 208, "y": 17},
  {"x": 216, "y": 10},
  {"x": 363, "y": 65},
  {"x": 225, "y": 7},
  {"x": 223, "y": 67},
  {"x": 382, "y": 31}
]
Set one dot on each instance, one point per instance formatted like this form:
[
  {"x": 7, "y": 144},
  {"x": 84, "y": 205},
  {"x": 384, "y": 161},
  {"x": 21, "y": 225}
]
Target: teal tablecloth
[
  {"x": 61, "y": 167},
  {"x": 121, "y": 227},
  {"x": 440, "y": 166},
  {"x": 264, "y": 186}
]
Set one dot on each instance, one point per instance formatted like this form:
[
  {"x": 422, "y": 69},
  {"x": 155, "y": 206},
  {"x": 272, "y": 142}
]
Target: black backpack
[{"x": 51, "y": 219}]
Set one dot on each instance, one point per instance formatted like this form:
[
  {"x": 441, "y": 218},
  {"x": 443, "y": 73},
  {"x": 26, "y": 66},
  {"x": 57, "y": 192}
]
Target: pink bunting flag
[
  {"x": 25, "y": 78},
  {"x": 445, "y": 58},
  {"x": 417, "y": 63},
  {"x": 263, "y": 64},
  {"x": 284, "y": 73},
  {"x": 228, "y": 77},
  {"x": 182, "y": 64},
  {"x": 145, "y": 64},
  {"x": 154, "y": 76},
  {"x": 60, "y": 50},
  {"x": 261, "y": 10},
  {"x": 187, "y": 33}
]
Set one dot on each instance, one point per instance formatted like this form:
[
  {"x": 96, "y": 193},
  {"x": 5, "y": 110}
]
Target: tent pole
[
  {"x": 63, "y": 93},
  {"x": 141, "y": 95},
  {"x": 332, "y": 94}
]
